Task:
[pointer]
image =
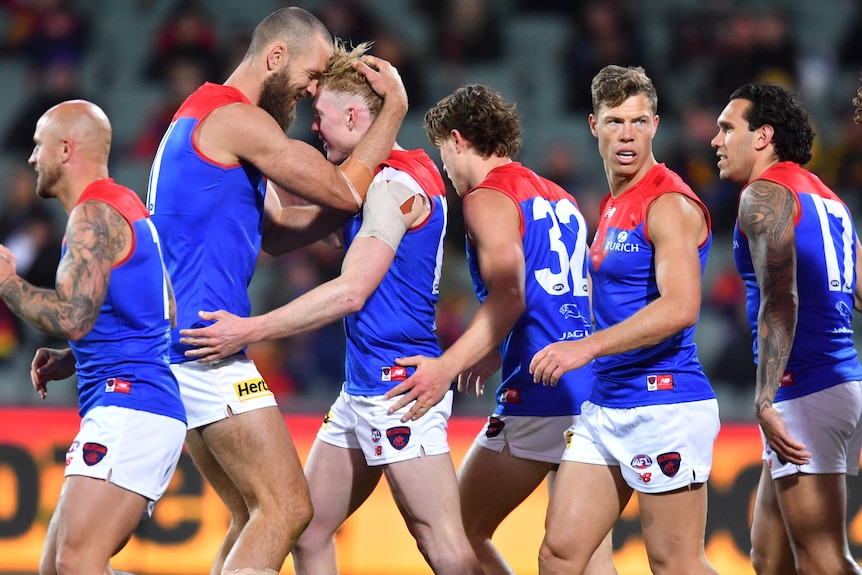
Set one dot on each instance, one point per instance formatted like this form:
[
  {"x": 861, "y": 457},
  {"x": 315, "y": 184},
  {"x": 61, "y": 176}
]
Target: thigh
[
  {"x": 584, "y": 504},
  {"x": 339, "y": 481},
  {"x": 770, "y": 545},
  {"x": 257, "y": 453},
  {"x": 674, "y": 525},
  {"x": 426, "y": 492},
  {"x": 96, "y": 518},
  {"x": 485, "y": 504},
  {"x": 814, "y": 510}
]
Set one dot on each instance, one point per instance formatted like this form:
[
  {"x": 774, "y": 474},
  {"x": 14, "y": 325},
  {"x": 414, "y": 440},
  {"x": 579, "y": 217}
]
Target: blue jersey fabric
[
  {"x": 622, "y": 265},
  {"x": 823, "y": 354},
  {"x": 554, "y": 236},
  {"x": 123, "y": 360},
  {"x": 398, "y": 320},
  {"x": 209, "y": 215}
]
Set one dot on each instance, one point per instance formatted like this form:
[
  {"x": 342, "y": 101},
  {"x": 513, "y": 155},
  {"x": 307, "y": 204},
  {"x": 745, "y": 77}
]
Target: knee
[
  {"x": 68, "y": 562},
  {"x": 551, "y": 560}
]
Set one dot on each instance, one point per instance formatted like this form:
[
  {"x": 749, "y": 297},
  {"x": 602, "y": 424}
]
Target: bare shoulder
[
  {"x": 765, "y": 205},
  {"x": 239, "y": 131}
]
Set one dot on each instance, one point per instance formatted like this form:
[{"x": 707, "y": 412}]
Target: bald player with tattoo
[{"x": 114, "y": 303}]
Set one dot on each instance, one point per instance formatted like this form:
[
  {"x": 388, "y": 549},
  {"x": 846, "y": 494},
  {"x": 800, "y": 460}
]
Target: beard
[
  {"x": 278, "y": 98},
  {"x": 46, "y": 179}
]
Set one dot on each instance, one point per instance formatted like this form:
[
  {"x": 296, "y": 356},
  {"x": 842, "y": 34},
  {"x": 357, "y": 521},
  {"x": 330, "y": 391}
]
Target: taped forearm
[{"x": 358, "y": 177}]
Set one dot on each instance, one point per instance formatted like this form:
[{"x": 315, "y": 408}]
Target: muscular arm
[
  {"x": 95, "y": 235},
  {"x": 766, "y": 216},
  {"x": 677, "y": 226},
  {"x": 494, "y": 225},
  {"x": 246, "y": 132}
]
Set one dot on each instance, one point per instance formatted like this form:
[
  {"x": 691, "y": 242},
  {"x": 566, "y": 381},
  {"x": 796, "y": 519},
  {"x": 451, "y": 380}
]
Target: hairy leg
[{"x": 255, "y": 451}]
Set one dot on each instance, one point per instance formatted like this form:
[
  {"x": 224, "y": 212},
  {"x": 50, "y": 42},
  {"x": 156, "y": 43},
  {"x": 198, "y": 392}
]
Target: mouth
[{"x": 626, "y": 156}]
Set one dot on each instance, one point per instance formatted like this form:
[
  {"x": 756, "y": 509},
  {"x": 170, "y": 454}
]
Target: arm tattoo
[
  {"x": 767, "y": 219},
  {"x": 95, "y": 234}
]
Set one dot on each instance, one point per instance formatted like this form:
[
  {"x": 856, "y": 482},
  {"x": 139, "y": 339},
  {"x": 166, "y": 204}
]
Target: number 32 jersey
[
  {"x": 823, "y": 354},
  {"x": 554, "y": 236}
]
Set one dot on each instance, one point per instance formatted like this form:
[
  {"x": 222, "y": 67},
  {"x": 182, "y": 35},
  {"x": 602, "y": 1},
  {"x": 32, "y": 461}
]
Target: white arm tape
[{"x": 381, "y": 214}]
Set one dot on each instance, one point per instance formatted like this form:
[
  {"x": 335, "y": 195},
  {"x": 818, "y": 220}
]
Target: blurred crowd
[{"x": 139, "y": 60}]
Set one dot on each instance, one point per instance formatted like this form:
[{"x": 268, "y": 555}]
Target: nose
[
  {"x": 627, "y": 132},
  {"x": 312, "y": 88},
  {"x": 715, "y": 141}
]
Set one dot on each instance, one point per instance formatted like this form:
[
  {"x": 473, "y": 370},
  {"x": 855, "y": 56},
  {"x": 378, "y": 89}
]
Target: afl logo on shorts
[
  {"x": 641, "y": 461},
  {"x": 494, "y": 427},
  {"x": 94, "y": 453},
  {"x": 375, "y": 434},
  {"x": 669, "y": 462},
  {"x": 398, "y": 437}
]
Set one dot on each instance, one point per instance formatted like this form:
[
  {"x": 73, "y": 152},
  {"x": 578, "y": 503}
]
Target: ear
[
  {"x": 66, "y": 150},
  {"x": 593, "y": 123},
  {"x": 458, "y": 140},
  {"x": 276, "y": 56},
  {"x": 763, "y": 136},
  {"x": 351, "y": 117}
]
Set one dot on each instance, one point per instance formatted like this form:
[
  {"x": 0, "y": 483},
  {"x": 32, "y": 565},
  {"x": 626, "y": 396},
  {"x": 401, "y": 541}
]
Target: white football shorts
[
  {"x": 528, "y": 437},
  {"x": 363, "y": 422},
  {"x": 139, "y": 450},
  {"x": 209, "y": 390},
  {"x": 659, "y": 448},
  {"x": 829, "y": 423}
]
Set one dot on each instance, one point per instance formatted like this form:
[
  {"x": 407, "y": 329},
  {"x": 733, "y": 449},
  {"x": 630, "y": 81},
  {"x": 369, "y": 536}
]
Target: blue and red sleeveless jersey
[
  {"x": 622, "y": 264},
  {"x": 554, "y": 235},
  {"x": 209, "y": 215},
  {"x": 823, "y": 354},
  {"x": 398, "y": 320},
  {"x": 123, "y": 360}
]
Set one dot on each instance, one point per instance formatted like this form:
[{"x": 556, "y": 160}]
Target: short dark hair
[
  {"x": 780, "y": 108},
  {"x": 484, "y": 118},
  {"x": 294, "y": 26}
]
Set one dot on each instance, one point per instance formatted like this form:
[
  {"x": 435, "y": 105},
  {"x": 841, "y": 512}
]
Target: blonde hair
[{"x": 342, "y": 76}]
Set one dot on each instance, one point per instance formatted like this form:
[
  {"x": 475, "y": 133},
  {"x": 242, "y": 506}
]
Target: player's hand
[
  {"x": 474, "y": 379},
  {"x": 785, "y": 447},
  {"x": 425, "y": 388},
  {"x": 227, "y": 336},
  {"x": 7, "y": 263},
  {"x": 385, "y": 80},
  {"x": 549, "y": 364},
  {"x": 50, "y": 364}
]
